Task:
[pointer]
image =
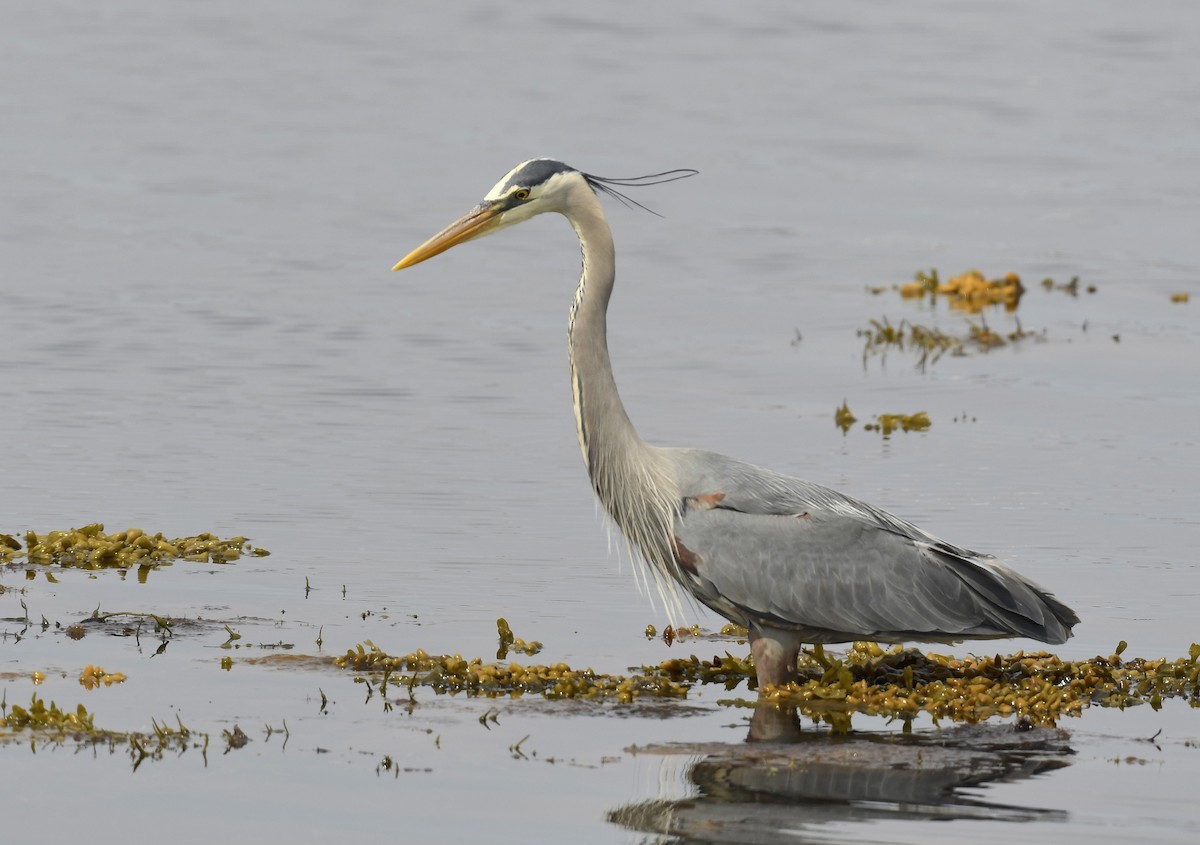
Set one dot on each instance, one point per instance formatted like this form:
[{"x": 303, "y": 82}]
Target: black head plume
[{"x": 608, "y": 185}]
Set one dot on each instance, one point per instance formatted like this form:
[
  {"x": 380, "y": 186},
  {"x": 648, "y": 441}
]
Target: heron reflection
[{"x": 757, "y": 792}]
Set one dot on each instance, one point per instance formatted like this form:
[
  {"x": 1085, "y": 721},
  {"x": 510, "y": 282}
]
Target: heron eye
[{"x": 522, "y": 194}]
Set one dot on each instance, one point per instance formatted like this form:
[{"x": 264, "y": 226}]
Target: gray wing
[{"x": 785, "y": 553}]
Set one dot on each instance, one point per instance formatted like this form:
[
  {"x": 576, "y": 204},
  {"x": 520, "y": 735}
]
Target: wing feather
[{"x": 788, "y": 553}]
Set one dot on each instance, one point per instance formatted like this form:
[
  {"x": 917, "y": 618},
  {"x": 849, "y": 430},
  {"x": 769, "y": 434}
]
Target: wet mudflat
[{"x": 200, "y": 335}]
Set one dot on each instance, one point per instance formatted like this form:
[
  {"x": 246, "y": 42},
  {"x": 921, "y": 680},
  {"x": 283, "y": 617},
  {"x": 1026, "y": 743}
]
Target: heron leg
[{"x": 775, "y": 652}]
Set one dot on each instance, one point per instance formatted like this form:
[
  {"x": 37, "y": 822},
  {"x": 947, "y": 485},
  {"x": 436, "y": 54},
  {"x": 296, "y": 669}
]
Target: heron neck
[
  {"x": 605, "y": 431},
  {"x": 632, "y": 479}
]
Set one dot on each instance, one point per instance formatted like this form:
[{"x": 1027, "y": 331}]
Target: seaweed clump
[
  {"x": 452, "y": 674},
  {"x": 48, "y": 719},
  {"x": 930, "y": 344},
  {"x": 970, "y": 292},
  {"x": 1037, "y": 687},
  {"x": 93, "y": 676},
  {"x": 53, "y": 725},
  {"x": 90, "y": 547},
  {"x": 509, "y": 642},
  {"x": 888, "y": 423}
]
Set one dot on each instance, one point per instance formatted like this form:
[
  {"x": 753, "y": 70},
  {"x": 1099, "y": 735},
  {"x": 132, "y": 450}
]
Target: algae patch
[
  {"x": 451, "y": 674},
  {"x": 885, "y": 424},
  {"x": 509, "y": 642},
  {"x": 843, "y": 418},
  {"x": 897, "y": 683},
  {"x": 973, "y": 292},
  {"x": 1037, "y": 687},
  {"x": 48, "y": 724},
  {"x": 970, "y": 292},
  {"x": 48, "y": 719},
  {"x": 90, "y": 548},
  {"x": 930, "y": 344},
  {"x": 93, "y": 676},
  {"x": 43, "y": 724}
]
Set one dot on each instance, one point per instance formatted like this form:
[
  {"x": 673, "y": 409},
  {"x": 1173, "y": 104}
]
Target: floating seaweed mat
[
  {"x": 971, "y": 291},
  {"x": 47, "y": 724},
  {"x": 1038, "y": 687},
  {"x": 452, "y": 674},
  {"x": 90, "y": 548}
]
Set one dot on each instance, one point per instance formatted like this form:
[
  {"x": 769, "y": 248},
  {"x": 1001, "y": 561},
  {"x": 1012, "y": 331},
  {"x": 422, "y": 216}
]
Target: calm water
[{"x": 199, "y": 209}]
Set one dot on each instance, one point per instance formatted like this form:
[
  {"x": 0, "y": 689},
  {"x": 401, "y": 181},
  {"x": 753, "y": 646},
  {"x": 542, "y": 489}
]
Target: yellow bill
[{"x": 475, "y": 223}]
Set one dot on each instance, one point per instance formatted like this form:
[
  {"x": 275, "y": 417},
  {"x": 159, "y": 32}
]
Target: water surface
[{"x": 199, "y": 333}]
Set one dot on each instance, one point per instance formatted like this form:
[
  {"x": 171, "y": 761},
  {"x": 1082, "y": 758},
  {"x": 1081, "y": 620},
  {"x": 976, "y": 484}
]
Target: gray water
[{"x": 199, "y": 205}]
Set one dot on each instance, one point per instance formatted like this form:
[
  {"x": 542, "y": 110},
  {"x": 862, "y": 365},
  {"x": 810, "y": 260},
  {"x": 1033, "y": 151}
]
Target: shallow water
[{"x": 199, "y": 333}]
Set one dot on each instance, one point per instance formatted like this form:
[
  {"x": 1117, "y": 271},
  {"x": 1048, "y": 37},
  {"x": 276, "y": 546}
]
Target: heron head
[{"x": 530, "y": 188}]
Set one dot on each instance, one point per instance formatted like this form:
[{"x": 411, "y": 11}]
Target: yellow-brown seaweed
[
  {"x": 893, "y": 683},
  {"x": 90, "y": 547}
]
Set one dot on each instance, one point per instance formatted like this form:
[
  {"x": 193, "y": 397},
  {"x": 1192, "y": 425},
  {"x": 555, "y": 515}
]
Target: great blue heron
[{"x": 792, "y": 561}]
